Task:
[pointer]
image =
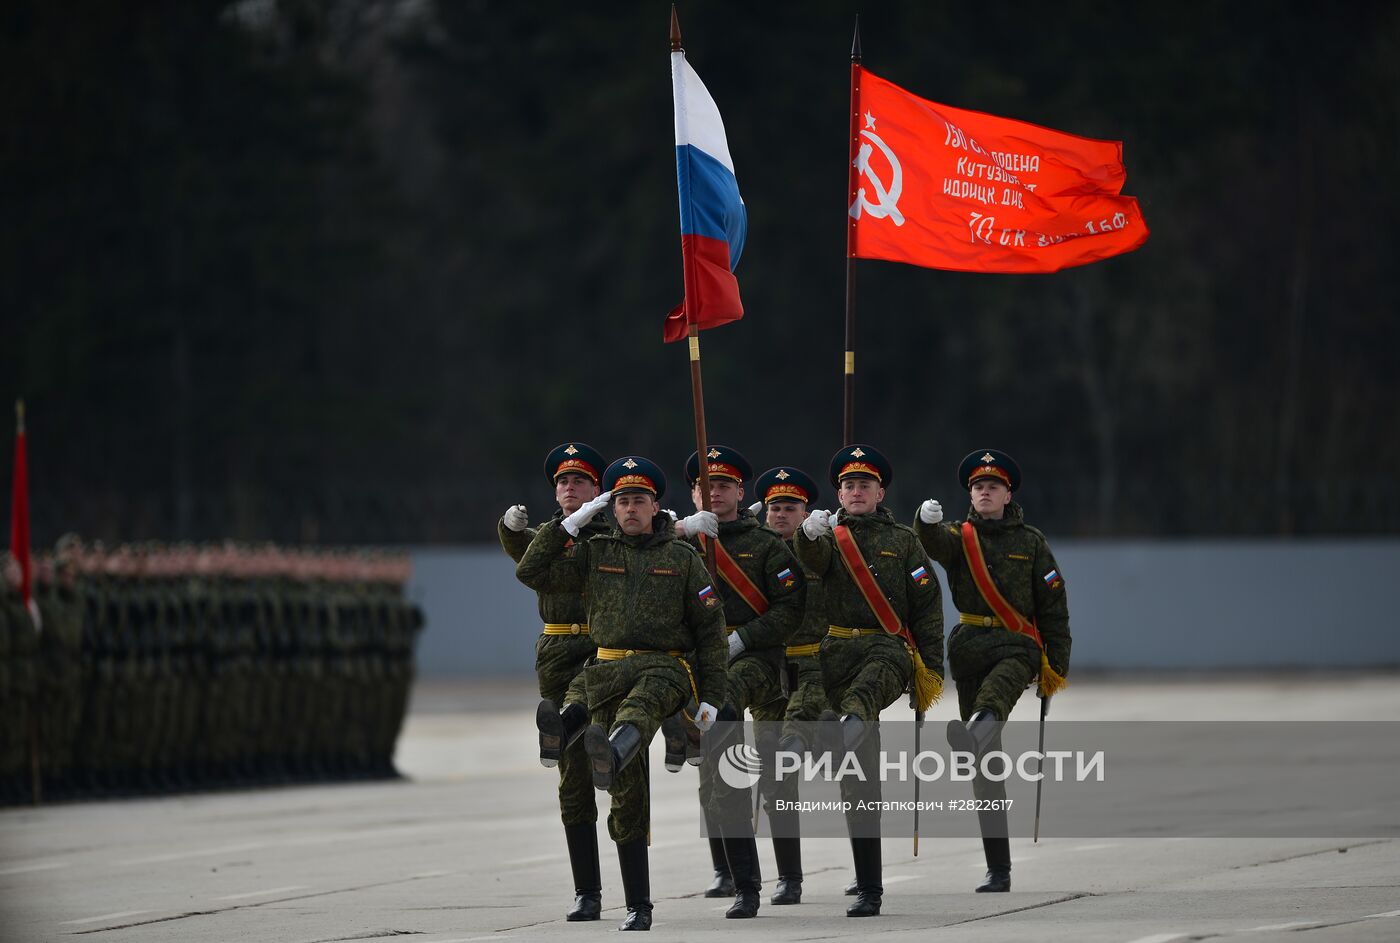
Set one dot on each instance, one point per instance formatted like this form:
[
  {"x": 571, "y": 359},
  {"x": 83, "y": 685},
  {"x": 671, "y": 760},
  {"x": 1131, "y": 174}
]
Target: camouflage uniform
[
  {"x": 868, "y": 673},
  {"x": 643, "y": 595},
  {"x": 754, "y": 678},
  {"x": 807, "y": 697},
  {"x": 559, "y": 659},
  {"x": 991, "y": 664}
]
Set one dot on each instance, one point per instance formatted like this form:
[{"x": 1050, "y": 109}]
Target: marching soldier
[
  {"x": 1013, "y": 620},
  {"x": 885, "y": 633},
  {"x": 566, "y": 645},
  {"x": 785, "y": 494},
  {"x": 762, "y": 588},
  {"x": 650, "y": 602}
]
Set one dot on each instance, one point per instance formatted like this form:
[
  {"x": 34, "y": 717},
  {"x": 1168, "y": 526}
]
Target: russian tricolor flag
[{"x": 713, "y": 219}]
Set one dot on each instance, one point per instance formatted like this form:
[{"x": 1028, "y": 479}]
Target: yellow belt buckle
[{"x": 574, "y": 629}]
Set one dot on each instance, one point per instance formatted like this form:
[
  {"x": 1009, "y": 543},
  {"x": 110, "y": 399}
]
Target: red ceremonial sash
[
  {"x": 1006, "y": 612},
  {"x": 927, "y": 686},
  {"x": 865, "y": 582},
  {"x": 1050, "y": 680},
  {"x": 737, "y": 579}
]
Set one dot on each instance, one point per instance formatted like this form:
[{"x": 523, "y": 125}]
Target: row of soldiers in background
[{"x": 153, "y": 668}]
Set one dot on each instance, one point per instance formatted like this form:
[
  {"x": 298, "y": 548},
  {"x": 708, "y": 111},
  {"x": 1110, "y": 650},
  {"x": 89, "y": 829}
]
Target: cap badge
[
  {"x": 782, "y": 475},
  {"x": 989, "y": 457},
  {"x": 713, "y": 453},
  {"x": 629, "y": 464}
]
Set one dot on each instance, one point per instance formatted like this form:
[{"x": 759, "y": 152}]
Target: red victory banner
[{"x": 948, "y": 188}]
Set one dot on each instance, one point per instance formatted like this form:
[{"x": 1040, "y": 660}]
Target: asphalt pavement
[{"x": 468, "y": 847}]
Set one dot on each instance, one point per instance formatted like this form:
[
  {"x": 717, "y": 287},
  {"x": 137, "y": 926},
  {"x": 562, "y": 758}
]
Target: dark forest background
[{"x": 346, "y": 270}]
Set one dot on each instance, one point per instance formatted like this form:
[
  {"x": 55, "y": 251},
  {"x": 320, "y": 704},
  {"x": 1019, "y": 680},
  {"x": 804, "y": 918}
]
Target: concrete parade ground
[{"x": 469, "y": 847}]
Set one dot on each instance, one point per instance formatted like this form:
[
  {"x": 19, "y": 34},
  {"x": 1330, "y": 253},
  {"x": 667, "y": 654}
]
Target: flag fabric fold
[
  {"x": 944, "y": 187},
  {"x": 714, "y": 222}
]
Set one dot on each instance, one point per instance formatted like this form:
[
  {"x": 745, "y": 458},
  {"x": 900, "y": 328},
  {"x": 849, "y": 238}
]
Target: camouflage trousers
[
  {"x": 872, "y": 685},
  {"x": 996, "y": 687},
  {"x": 559, "y": 661},
  {"x": 650, "y": 698},
  {"x": 752, "y": 684},
  {"x": 808, "y": 699},
  {"x": 997, "y": 690},
  {"x": 577, "y": 803},
  {"x": 876, "y": 683},
  {"x": 804, "y": 706}
]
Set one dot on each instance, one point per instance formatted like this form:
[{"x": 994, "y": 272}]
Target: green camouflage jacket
[
  {"x": 894, "y": 556},
  {"x": 1025, "y": 571},
  {"x": 767, "y": 560},
  {"x": 814, "y": 623},
  {"x": 557, "y": 608},
  {"x": 650, "y": 592}
]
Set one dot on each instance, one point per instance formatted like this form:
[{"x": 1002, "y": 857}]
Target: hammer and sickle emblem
[{"x": 886, "y": 201}]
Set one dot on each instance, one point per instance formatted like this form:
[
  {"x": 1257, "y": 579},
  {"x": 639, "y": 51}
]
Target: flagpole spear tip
[
  {"x": 855, "y": 41},
  {"x": 675, "y": 31}
]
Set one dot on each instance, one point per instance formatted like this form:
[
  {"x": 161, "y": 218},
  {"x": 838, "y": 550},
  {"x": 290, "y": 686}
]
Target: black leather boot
[
  {"x": 869, "y": 890},
  {"x": 636, "y": 884},
  {"x": 588, "y": 882},
  {"x": 673, "y": 733},
  {"x": 998, "y": 852},
  {"x": 558, "y": 729},
  {"x": 976, "y": 736},
  {"x": 787, "y": 852},
  {"x": 853, "y": 888},
  {"x": 723, "y": 884},
  {"x": 608, "y": 756},
  {"x": 996, "y": 844},
  {"x": 748, "y": 884}
]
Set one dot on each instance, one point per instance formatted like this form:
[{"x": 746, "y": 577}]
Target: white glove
[
  {"x": 930, "y": 512},
  {"x": 575, "y": 521},
  {"x": 701, "y": 522},
  {"x": 515, "y": 518},
  {"x": 672, "y": 513},
  {"x": 756, "y": 507},
  {"x": 816, "y": 524},
  {"x": 705, "y": 717},
  {"x": 736, "y": 646}
]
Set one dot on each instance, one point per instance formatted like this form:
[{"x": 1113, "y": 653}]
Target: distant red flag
[
  {"x": 19, "y": 516},
  {"x": 948, "y": 188}
]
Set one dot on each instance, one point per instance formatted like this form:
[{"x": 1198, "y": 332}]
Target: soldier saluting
[
  {"x": 1013, "y": 622},
  {"x": 885, "y": 632},
  {"x": 650, "y": 603},
  {"x": 563, "y": 648}
]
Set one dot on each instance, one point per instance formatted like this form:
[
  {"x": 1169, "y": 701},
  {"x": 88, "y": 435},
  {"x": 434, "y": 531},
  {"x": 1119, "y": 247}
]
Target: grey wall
[{"x": 1133, "y": 604}]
